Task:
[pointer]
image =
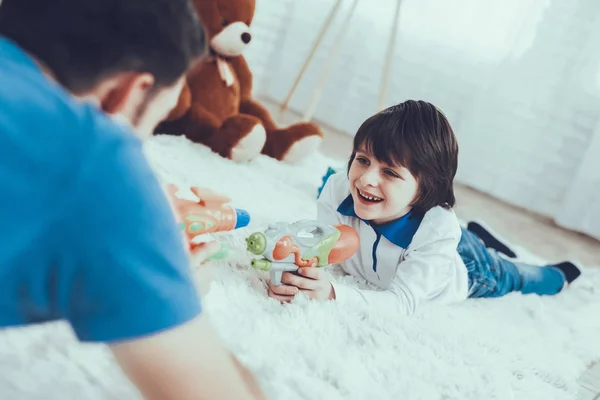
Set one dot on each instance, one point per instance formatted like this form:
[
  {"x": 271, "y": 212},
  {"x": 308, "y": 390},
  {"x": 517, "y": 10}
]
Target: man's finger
[
  {"x": 311, "y": 272},
  {"x": 298, "y": 281},
  {"x": 172, "y": 189},
  {"x": 208, "y": 197}
]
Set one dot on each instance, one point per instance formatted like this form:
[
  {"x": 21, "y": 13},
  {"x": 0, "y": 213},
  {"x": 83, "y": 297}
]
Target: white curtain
[{"x": 518, "y": 79}]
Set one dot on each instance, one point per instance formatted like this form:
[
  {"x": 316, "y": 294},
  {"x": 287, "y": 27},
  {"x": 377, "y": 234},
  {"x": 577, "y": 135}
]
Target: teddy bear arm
[
  {"x": 251, "y": 107},
  {"x": 201, "y": 124}
]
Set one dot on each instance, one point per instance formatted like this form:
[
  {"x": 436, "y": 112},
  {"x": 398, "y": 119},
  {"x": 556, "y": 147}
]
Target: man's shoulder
[
  {"x": 40, "y": 109},
  {"x": 48, "y": 138},
  {"x": 43, "y": 125}
]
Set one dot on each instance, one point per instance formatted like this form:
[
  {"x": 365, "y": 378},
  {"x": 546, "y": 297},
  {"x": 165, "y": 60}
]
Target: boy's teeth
[{"x": 369, "y": 197}]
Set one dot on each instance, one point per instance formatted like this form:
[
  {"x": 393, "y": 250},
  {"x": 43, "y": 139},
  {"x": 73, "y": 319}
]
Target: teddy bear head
[{"x": 227, "y": 24}]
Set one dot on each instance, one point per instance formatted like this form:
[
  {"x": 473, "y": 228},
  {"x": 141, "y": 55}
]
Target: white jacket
[{"x": 412, "y": 260}]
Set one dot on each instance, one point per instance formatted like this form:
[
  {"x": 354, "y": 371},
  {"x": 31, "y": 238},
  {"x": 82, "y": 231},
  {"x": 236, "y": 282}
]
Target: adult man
[{"x": 89, "y": 235}]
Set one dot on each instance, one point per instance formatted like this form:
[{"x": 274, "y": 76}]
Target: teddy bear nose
[{"x": 246, "y": 37}]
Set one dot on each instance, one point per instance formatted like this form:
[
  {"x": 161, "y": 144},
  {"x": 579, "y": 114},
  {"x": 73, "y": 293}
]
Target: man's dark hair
[
  {"x": 85, "y": 41},
  {"x": 417, "y": 136}
]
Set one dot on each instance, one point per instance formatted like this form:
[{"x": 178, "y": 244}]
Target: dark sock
[
  {"x": 489, "y": 240},
  {"x": 569, "y": 269}
]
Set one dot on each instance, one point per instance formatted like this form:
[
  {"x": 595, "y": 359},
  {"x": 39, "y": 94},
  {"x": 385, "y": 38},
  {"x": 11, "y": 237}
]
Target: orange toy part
[
  {"x": 285, "y": 246},
  {"x": 208, "y": 214},
  {"x": 346, "y": 246}
]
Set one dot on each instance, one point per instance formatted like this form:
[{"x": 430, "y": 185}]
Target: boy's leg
[
  {"x": 490, "y": 275},
  {"x": 489, "y": 238},
  {"x": 477, "y": 260},
  {"x": 541, "y": 280}
]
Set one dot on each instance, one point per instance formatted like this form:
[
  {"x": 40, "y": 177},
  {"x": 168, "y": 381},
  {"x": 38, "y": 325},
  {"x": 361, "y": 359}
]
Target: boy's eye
[
  {"x": 362, "y": 160},
  {"x": 391, "y": 173}
]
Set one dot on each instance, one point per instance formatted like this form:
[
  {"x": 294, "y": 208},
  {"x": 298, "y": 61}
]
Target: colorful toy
[
  {"x": 305, "y": 243},
  {"x": 209, "y": 214}
]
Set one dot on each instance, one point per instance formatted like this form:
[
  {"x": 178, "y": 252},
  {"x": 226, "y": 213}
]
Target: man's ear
[{"x": 123, "y": 93}]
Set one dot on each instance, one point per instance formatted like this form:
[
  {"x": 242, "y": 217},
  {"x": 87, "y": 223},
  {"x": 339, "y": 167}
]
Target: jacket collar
[{"x": 400, "y": 231}]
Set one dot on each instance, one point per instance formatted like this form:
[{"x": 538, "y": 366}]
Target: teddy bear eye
[{"x": 224, "y": 22}]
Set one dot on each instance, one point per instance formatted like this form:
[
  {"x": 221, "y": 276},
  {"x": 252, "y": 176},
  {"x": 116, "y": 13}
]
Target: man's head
[
  {"x": 404, "y": 158},
  {"x": 129, "y": 55}
]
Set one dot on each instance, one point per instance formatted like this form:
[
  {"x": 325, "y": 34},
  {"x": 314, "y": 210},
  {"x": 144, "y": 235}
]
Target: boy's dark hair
[
  {"x": 417, "y": 136},
  {"x": 84, "y": 41}
]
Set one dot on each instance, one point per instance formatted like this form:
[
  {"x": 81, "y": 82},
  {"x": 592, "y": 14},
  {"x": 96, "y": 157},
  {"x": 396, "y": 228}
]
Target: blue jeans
[{"x": 490, "y": 275}]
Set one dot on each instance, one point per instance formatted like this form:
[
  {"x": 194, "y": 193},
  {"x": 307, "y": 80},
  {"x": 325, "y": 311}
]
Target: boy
[
  {"x": 89, "y": 236},
  {"x": 398, "y": 195}
]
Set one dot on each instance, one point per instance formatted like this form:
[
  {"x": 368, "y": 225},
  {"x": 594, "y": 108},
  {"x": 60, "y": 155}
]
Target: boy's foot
[
  {"x": 490, "y": 239},
  {"x": 569, "y": 269}
]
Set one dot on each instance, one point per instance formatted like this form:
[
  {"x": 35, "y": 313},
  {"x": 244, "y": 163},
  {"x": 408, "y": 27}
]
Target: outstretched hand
[
  {"x": 183, "y": 207},
  {"x": 200, "y": 252},
  {"x": 314, "y": 282}
]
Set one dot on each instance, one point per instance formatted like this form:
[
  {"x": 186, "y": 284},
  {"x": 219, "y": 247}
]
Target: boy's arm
[
  {"x": 424, "y": 274},
  {"x": 187, "y": 362}
]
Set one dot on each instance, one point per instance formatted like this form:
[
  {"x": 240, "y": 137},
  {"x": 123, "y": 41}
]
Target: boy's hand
[{"x": 314, "y": 282}]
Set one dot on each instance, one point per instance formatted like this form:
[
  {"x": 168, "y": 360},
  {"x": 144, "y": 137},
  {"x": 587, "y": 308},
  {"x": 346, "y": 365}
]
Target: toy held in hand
[
  {"x": 208, "y": 214},
  {"x": 305, "y": 243}
]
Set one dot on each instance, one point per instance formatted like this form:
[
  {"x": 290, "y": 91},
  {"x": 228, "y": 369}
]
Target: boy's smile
[
  {"x": 368, "y": 198},
  {"x": 381, "y": 193}
]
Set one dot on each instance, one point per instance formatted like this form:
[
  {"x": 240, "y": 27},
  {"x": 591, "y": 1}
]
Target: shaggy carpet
[{"x": 515, "y": 347}]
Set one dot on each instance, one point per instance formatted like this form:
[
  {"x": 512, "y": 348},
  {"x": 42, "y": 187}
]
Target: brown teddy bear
[{"x": 216, "y": 107}]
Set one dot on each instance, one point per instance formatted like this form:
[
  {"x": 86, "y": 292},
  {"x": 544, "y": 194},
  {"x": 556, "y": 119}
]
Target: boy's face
[{"x": 381, "y": 193}]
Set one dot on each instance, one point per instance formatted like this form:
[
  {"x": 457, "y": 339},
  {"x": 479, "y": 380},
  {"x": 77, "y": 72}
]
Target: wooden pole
[
  {"x": 318, "y": 90},
  {"x": 388, "y": 60},
  {"x": 312, "y": 52}
]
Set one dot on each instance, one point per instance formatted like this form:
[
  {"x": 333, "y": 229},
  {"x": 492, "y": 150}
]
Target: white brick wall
[{"x": 518, "y": 79}]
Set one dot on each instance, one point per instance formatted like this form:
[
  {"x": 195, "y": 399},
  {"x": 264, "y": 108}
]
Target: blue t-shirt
[{"x": 87, "y": 234}]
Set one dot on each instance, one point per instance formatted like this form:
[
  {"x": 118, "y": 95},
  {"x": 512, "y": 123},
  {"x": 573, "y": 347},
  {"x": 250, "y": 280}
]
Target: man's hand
[
  {"x": 314, "y": 282},
  {"x": 203, "y": 276},
  {"x": 200, "y": 252},
  {"x": 183, "y": 207},
  {"x": 186, "y": 363}
]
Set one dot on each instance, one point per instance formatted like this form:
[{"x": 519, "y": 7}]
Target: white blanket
[{"x": 516, "y": 347}]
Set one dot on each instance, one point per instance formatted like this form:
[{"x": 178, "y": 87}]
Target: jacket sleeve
[{"x": 424, "y": 274}]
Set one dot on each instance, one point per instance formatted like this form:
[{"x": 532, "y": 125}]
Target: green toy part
[
  {"x": 262, "y": 264},
  {"x": 256, "y": 243},
  {"x": 222, "y": 253},
  {"x": 322, "y": 249}
]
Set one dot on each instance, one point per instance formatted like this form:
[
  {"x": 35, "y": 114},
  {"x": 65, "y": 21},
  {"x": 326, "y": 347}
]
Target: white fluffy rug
[{"x": 516, "y": 347}]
